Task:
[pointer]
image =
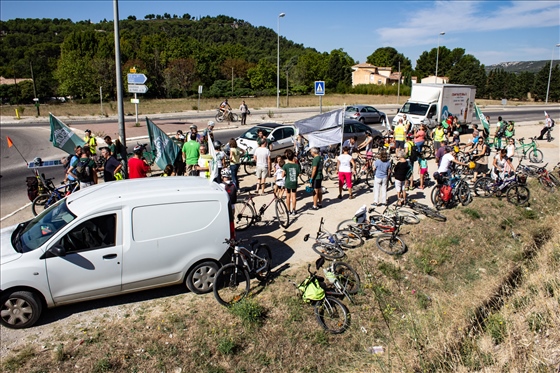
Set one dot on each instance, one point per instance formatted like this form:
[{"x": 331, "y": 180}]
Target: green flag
[
  {"x": 62, "y": 137},
  {"x": 482, "y": 118},
  {"x": 165, "y": 150}
]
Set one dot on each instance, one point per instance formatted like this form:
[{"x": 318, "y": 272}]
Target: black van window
[{"x": 92, "y": 234}]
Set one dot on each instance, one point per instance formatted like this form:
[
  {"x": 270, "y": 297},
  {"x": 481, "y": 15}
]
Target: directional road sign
[
  {"x": 319, "y": 88},
  {"x": 136, "y": 79},
  {"x": 137, "y": 88}
]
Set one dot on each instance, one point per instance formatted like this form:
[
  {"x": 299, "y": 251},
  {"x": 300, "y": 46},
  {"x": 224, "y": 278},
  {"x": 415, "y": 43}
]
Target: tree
[
  {"x": 149, "y": 16},
  {"x": 131, "y": 18},
  {"x": 426, "y": 63},
  {"x": 467, "y": 70},
  {"x": 263, "y": 75},
  {"x": 339, "y": 72},
  {"x": 179, "y": 76},
  {"x": 390, "y": 57}
]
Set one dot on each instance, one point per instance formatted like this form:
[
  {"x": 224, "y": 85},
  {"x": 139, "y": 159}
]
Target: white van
[{"x": 111, "y": 239}]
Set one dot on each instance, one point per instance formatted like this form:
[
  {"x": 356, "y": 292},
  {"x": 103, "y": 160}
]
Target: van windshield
[
  {"x": 43, "y": 227},
  {"x": 414, "y": 108}
]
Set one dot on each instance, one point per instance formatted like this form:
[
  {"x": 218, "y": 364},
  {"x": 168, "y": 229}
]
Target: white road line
[{"x": 15, "y": 212}]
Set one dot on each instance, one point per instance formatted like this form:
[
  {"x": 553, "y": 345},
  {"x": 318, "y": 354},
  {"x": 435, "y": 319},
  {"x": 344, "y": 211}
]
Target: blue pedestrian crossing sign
[{"x": 319, "y": 88}]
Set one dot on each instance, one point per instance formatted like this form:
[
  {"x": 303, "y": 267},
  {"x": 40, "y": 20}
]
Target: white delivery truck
[{"x": 429, "y": 104}]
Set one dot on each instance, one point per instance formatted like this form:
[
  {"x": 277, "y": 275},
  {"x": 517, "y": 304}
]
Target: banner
[
  {"x": 165, "y": 150},
  {"x": 320, "y": 122},
  {"x": 326, "y": 137},
  {"x": 62, "y": 137},
  {"x": 482, "y": 118}
]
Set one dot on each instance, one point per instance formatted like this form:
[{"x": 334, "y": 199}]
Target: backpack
[
  {"x": 84, "y": 173},
  {"x": 32, "y": 187},
  {"x": 311, "y": 290},
  {"x": 445, "y": 193},
  {"x": 502, "y": 129},
  {"x": 552, "y": 122}
]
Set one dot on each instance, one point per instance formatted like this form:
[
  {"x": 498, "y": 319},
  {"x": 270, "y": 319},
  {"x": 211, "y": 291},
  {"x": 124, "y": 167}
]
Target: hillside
[{"x": 520, "y": 66}]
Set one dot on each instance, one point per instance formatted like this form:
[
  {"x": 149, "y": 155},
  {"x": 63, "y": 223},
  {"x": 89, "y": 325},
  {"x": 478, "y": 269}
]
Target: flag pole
[{"x": 10, "y": 144}]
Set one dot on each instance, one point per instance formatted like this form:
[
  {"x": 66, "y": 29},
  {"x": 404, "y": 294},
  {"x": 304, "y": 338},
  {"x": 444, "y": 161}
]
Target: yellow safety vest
[
  {"x": 92, "y": 143},
  {"x": 439, "y": 135},
  {"x": 399, "y": 132}
]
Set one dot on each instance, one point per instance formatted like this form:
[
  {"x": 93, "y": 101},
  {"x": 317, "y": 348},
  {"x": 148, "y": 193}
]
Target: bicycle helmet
[
  {"x": 226, "y": 172},
  {"x": 472, "y": 165},
  {"x": 456, "y": 133},
  {"x": 137, "y": 149},
  {"x": 217, "y": 144},
  {"x": 210, "y": 123}
]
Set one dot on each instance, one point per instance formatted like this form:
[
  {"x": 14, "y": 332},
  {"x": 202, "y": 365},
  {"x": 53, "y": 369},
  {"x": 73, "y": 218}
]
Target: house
[
  {"x": 366, "y": 73},
  {"x": 432, "y": 79}
]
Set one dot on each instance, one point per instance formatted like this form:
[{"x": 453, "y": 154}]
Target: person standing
[
  {"x": 86, "y": 169},
  {"x": 191, "y": 152},
  {"x": 547, "y": 126},
  {"x": 291, "y": 172},
  {"x": 110, "y": 145},
  {"x": 71, "y": 170},
  {"x": 441, "y": 152},
  {"x": 438, "y": 134},
  {"x": 381, "y": 168},
  {"x": 346, "y": 167},
  {"x": 234, "y": 161},
  {"x": 400, "y": 173},
  {"x": 420, "y": 138},
  {"x": 111, "y": 166},
  {"x": 244, "y": 112},
  {"x": 351, "y": 144},
  {"x": 262, "y": 159},
  {"x": 317, "y": 178},
  {"x": 499, "y": 133},
  {"x": 204, "y": 166},
  {"x": 92, "y": 143},
  {"x": 407, "y": 124},
  {"x": 137, "y": 167},
  {"x": 399, "y": 133}
]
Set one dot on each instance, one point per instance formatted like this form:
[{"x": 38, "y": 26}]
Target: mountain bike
[
  {"x": 44, "y": 201},
  {"x": 514, "y": 189},
  {"x": 246, "y": 212},
  {"x": 232, "y": 281},
  {"x": 342, "y": 279},
  {"x": 547, "y": 179},
  {"x": 331, "y": 314},
  {"x": 226, "y": 115},
  {"x": 426, "y": 210},
  {"x": 249, "y": 164},
  {"x": 524, "y": 150},
  {"x": 331, "y": 246},
  {"x": 461, "y": 192}
]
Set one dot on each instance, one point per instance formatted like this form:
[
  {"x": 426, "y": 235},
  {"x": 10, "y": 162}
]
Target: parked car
[
  {"x": 280, "y": 138},
  {"x": 364, "y": 114},
  {"x": 355, "y": 128},
  {"x": 114, "y": 238}
]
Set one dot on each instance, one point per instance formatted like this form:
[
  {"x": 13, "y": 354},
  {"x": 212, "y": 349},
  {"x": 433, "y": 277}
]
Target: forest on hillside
[{"x": 228, "y": 57}]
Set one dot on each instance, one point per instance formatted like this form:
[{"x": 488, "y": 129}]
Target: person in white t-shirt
[
  {"x": 503, "y": 168},
  {"x": 262, "y": 158},
  {"x": 346, "y": 167},
  {"x": 446, "y": 161}
]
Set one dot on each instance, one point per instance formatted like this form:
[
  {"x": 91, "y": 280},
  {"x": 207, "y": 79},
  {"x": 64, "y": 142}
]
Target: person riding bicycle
[{"x": 225, "y": 108}]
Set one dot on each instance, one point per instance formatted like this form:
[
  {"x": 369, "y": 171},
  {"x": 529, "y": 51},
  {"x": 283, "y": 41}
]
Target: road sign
[
  {"x": 137, "y": 88},
  {"x": 199, "y": 89},
  {"x": 319, "y": 88},
  {"x": 136, "y": 78},
  {"x": 134, "y": 101}
]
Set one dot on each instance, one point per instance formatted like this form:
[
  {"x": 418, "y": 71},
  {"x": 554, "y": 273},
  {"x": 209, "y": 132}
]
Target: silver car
[{"x": 364, "y": 114}]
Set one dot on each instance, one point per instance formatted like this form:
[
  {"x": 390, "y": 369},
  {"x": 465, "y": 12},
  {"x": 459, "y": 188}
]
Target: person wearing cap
[
  {"x": 208, "y": 131},
  {"x": 92, "y": 143},
  {"x": 137, "y": 167},
  {"x": 191, "y": 153},
  {"x": 244, "y": 111},
  {"x": 194, "y": 129}
]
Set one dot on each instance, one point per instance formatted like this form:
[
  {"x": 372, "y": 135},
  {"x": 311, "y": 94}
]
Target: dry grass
[
  {"x": 157, "y": 106},
  {"x": 420, "y": 307}
]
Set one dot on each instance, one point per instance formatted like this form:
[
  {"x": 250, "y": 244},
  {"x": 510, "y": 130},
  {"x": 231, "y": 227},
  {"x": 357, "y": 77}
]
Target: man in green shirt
[
  {"x": 291, "y": 173},
  {"x": 191, "y": 152},
  {"x": 317, "y": 178}
]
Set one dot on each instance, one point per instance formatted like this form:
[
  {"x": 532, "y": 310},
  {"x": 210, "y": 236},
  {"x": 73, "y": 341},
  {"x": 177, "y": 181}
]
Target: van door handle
[{"x": 110, "y": 256}]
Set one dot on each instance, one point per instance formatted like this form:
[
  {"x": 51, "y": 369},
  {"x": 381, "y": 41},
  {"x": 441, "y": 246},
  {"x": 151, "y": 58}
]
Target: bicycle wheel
[
  {"x": 282, "y": 213},
  {"x": 332, "y": 315},
  {"x": 464, "y": 193},
  {"x": 390, "y": 245},
  {"x": 231, "y": 284},
  {"x": 250, "y": 167},
  {"x": 234, "y": 117},
  {"x": 483, "y": 187},
  {"x": 263, "y": 263},
  {"x": 518, "y": 194},
  {"x": 348, "y": 224},
  {"x": 328, "y": 250},
  {"x": 427, "y": 151},
  {"x": 546, "y": 183},
  {"x": 219, "y": 118},
  {"x": 244, "y": 215},
  {"x": 439, "y": 204},
  {"x": 305, "y": 174},
  {"x": 554, "y": 179},
  {"x": 370, "y": 176},
  {"x": 408, "y": 217},
  {"x": 434, "y": 194},
  {"x": 349, "y": 239},
  {"x": 40, "y": 203},
  {"x": 347, "y": 277},
  {"x": 434, "y": 214},
  {"x": 535, "y": 156},
  {"x": 330, "y": 172}
]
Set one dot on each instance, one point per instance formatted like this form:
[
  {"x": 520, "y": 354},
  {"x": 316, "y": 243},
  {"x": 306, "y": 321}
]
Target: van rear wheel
[{"x": 200, "y": 279}]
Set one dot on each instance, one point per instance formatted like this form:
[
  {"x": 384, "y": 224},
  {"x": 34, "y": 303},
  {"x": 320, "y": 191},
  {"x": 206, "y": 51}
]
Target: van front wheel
[
  {"x": 200, "y": 279},
  {"x": 20, "y": 309}
]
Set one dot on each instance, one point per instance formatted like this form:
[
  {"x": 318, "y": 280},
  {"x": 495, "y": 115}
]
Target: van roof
[{"x": 147, "y": 190}]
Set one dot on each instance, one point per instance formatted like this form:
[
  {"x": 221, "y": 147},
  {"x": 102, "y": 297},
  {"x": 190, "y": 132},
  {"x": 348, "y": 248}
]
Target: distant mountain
[{"x": 519, "y": 66}]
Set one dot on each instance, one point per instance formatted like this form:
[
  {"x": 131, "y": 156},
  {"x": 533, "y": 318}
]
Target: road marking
[{"x": 15, "y": 212}]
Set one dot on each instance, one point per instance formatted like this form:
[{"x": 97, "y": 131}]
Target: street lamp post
[
  {"x": 550, "y": 73},
  {"x": 278, "y": 63},
  {"x": 437, "y": 54}
]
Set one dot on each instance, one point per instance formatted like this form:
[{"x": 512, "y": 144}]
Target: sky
[{"x": 492, "y": 31}]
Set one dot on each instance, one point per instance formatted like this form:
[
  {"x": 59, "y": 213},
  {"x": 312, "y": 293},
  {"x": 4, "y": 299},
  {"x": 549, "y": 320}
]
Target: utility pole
[{"x": 118, "y": 77}]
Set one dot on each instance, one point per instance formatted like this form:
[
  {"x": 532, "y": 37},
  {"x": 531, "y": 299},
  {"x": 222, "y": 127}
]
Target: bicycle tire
[
  {"x": 434, "y": 192},
  {"x": 390, "y": 245},
  {"x": 219, "y": 118},
  {"x": 427, "y": 152},
  {"x": 282, "y": 213},
  {"x": 434, "y": 214},
  {"x": 483, "y": 187},
  {"x": 408, "y": 217},
  {"x": 332, "y": 315},
  {"x": 546, "y": 183},
  {"x": 535, "y": 156},
  {"x": 439, "y": 204},
  {"x": 250, "y": 167},
  {"x": 554, "y": 179},
  {"x": 349, "y": 239},
  {"x": 263, "y": 252},
  {"x": 330, "y": 172},
  {"x": 231, "y": 284},
  {"x": 347, "y": 224},
  {"x": 347, "y": 277},
  {"x": 464, "y": 193},
  {"x": 518, "y": 194},
  {"x": 328, "y": 251},
  {"x": 244, "y": 215},
  {"x": 370, "y": 178},
  {"x": 234, "y": 117},
  {"x": 40, "y": 203}
]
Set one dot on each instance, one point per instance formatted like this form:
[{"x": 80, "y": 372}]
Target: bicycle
[
  {"x": 232, "y": 281},
  {"x": 426, "y": 210},
  {"x": 247, "y": 214},
  {"x": 331, "y": 314},
  {"x": 330, "y": 246},
  {"x": 343, "y": 279},
  {"x": 521, "y": 151},
  {"x": 45, "y": 200},
  {"x": 461, "y": 192},
  {"x": 395, "y": 210},
  {"x": 226, "y": 115},
  {"x": 547, "y": 180},
  {"x": 249, "y": 164},
  {"x": 514, "y": 189}
]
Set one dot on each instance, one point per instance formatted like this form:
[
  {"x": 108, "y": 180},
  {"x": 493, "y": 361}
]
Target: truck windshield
[
  {"x": 414, "y": 108},
  {"x": 44, "y": 226}
]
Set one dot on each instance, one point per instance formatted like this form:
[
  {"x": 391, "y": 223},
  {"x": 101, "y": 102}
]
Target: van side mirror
[
  {"x": 398, "y": 110},
  {"x": 57, "y": 250}
]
